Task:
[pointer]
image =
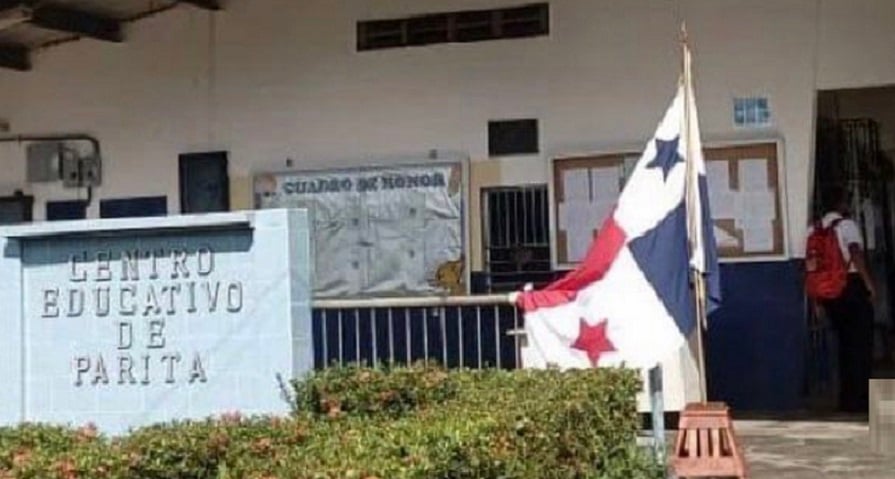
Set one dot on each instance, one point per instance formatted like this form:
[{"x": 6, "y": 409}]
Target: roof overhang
[{"x": 28, "y": 25}]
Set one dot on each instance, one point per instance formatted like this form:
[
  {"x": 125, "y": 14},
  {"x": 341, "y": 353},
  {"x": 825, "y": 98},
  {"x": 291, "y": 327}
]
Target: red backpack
[{"x": 826, "y": 271}]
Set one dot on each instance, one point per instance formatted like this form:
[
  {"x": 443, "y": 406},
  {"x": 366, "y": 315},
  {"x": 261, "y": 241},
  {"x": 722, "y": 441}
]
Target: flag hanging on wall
[{"x": 631, "y": 300}]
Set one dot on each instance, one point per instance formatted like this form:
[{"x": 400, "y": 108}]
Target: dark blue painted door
[{"x": 204, "y": 184}]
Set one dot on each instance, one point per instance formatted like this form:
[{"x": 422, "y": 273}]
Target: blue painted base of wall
[
  {"x": 755, "y": 346},
  {"x": 756, "y": 343}
]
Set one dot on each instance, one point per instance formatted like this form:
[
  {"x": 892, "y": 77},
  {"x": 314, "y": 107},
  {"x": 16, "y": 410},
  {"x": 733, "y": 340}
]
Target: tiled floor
[{"x": 812, "y": 449}]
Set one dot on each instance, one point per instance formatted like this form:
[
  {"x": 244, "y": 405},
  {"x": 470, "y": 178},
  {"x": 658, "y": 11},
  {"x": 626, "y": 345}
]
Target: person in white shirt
[{"x": 852, "y": 312}]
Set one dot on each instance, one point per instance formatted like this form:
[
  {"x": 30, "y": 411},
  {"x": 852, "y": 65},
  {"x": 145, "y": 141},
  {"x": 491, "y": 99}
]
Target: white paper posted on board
[
  {"x": 724, "y": 204},
  {"x": 754, "y": 207},
  {"x": 758, "y": 237},
  {"x": 605, "y": 183},
  {"x": 578, "y": 220},
  {"x": 753, "y": 175},
  {"x": 576, "y": 185},
  {"x": 575, "y": 222},
  {"x": 718, "y": 175},
  {"x": 578, "y": 240},
  {"x": 722, "y": 199}
]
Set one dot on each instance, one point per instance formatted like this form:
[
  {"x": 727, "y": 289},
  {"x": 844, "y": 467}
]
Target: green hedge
[{"x": 419, "y": 422}]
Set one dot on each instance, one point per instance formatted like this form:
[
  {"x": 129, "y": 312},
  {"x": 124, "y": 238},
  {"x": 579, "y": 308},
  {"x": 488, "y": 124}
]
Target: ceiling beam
[
  {"x": 10, "y": 4},
  {"x": 78, "y": 22},
  {"x": 12, "y": 13},
  {"x": 15, "y": 57},
  {"x": 205, "y": 4}
]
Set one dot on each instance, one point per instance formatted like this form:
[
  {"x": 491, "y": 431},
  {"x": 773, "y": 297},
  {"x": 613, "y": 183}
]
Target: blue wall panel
[
  {"x": 66, "y": 210},
  {"x": 757, "y": 340},
  {"x": 756, "y": 344},
  {"x": 133, "y": 207}
]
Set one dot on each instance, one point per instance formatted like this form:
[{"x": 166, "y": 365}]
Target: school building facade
[{"x": 282, "y": 85}]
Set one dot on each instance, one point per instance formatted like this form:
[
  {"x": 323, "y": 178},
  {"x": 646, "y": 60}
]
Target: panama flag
[{"x": 631, "y": 301}]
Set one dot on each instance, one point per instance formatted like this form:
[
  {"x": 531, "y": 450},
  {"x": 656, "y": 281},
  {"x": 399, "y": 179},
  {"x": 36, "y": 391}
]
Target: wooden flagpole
[
  {"x": 693, "y": 222},
  {"x": 706, "y": 445}
]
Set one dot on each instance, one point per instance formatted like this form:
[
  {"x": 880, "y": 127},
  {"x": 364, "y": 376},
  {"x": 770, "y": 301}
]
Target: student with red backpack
[{"x": 839, "y": 283}]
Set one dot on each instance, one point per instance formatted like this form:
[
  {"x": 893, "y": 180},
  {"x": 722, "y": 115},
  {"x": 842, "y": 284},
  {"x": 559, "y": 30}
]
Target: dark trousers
[{"x": 852, "y": 318}]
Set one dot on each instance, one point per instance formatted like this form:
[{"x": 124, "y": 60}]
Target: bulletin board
[
  {"x": 584, "y": 190},
  {"x": 746, "y": 197},
  {"x": 746, "y": 194},
  {"x": 396, "y": 230}
]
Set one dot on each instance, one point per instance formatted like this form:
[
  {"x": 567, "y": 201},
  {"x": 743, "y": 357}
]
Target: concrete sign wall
[{"x": 129, "y": 322}]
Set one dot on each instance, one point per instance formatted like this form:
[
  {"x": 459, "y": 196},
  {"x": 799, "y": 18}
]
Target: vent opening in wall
[
  {"x": 427, "y": 30},
  {"x": 449, "y": 27},
  {"x": 751, "y": 112},
  {"x": 512, "y": 137}
]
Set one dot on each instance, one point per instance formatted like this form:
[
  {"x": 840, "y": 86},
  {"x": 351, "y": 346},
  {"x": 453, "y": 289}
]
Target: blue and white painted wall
[{"x": 269, "y": 80}]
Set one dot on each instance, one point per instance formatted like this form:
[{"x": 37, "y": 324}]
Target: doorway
[
  {"x": 204, "y": 183},
  {"x": 855, "y": 145}
]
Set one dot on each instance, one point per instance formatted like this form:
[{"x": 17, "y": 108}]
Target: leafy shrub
[
  {"x": 418, "y": 422},
  {"x": 368, "y": 391}
]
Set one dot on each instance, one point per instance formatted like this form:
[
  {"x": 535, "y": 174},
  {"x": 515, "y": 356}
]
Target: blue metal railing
[{"x": 464, "y": 331}]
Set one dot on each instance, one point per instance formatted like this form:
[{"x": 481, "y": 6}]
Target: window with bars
[
  {"x": 516, "y": 235},
  {"x": 466, "y": 26}
]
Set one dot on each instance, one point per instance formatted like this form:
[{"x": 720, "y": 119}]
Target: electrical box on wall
[
  {"x": 43, "y": 161},
  {"x": 71, "y": 170},
  {"x": 50, "y": 161},
  {"x": 79, "y": 172},
  {"x": 91, "y": 171}
]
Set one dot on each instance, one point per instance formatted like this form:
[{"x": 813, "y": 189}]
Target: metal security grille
[
  {"x": 516, "y": 237},
  {"x": 848, "y": 154},
  {"x": 454, "y": 331},
  {"x": 454, "y": 27}
]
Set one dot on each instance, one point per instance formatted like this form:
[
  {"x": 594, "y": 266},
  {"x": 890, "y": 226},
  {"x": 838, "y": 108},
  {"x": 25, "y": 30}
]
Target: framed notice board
[
  {"x": 746, "y": 193},
  {"x": 395, "y": 230},
  {"x": 583, "y": 191}
]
